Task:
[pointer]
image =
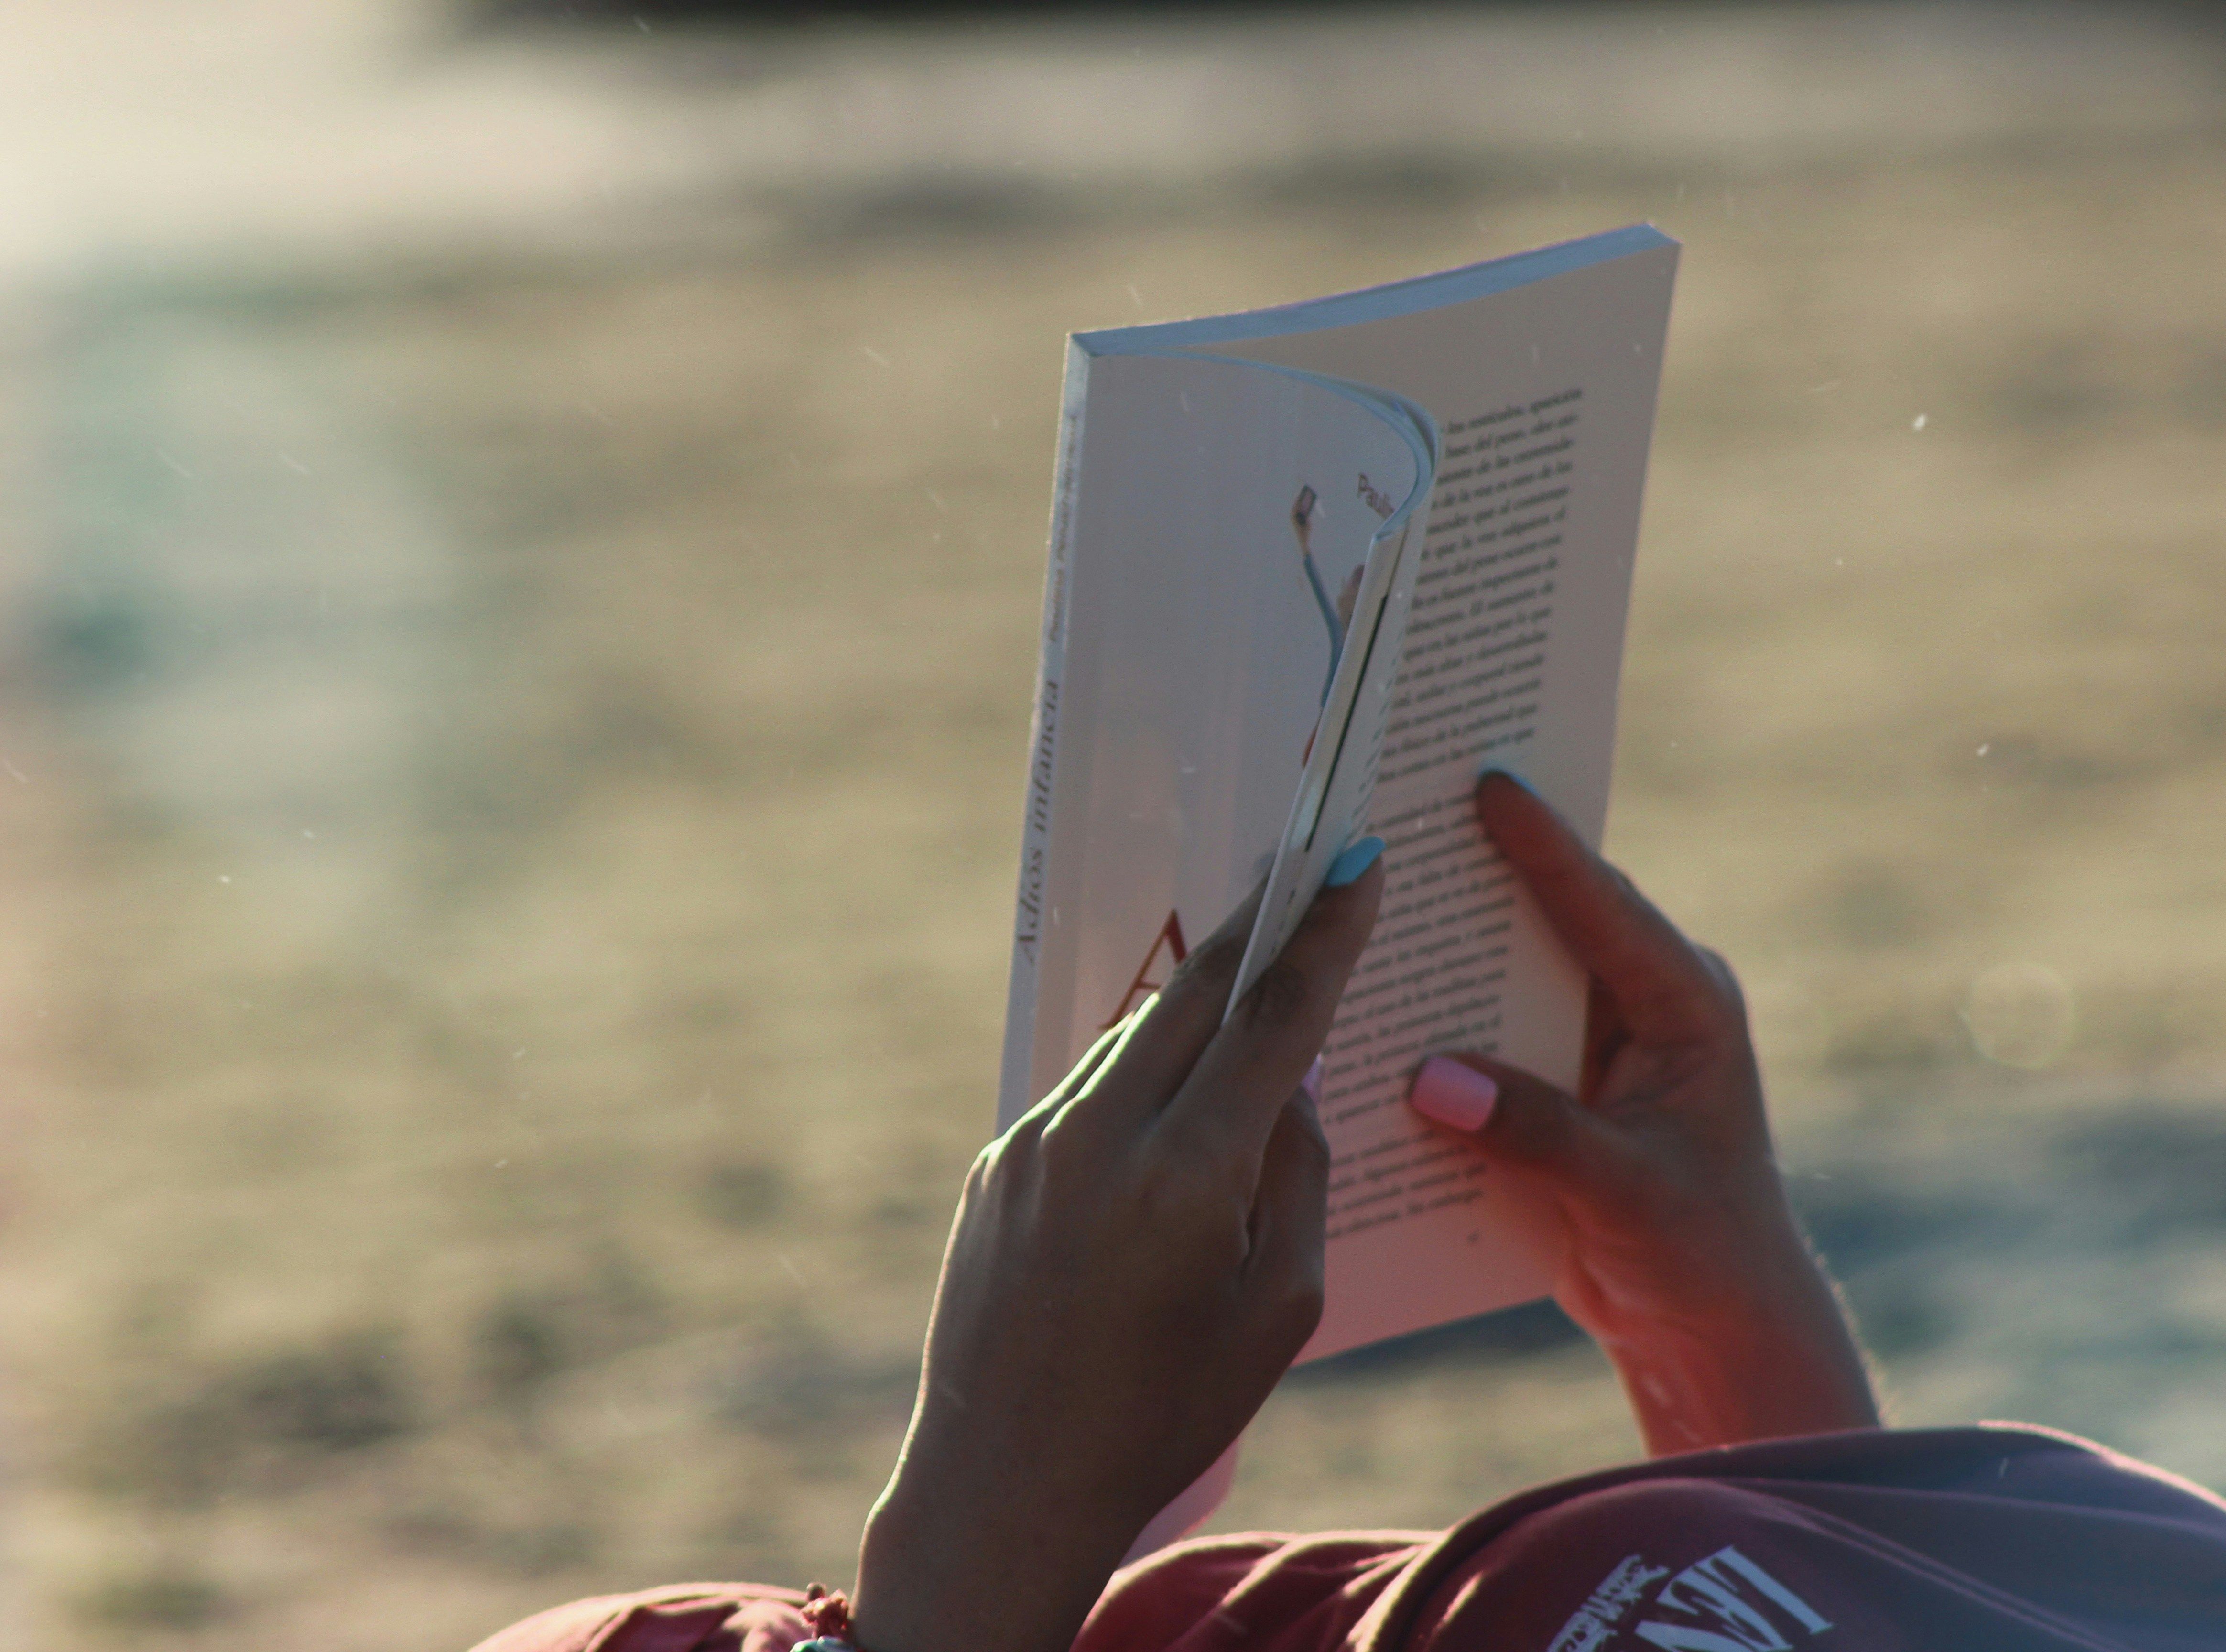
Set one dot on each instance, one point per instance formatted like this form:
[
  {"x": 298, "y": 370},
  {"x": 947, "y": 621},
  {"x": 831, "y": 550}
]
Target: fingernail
[
  {"x": 1490, "y": 769},
  {"x": 1312, "y": 1083},
  {"x": 1453, "y": 1093},
  {"x": 1356, "y": 860}
]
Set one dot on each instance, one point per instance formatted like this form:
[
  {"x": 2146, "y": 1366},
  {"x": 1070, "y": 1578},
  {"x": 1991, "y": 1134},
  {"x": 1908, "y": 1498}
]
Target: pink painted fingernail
[
  {"x": 1453, "y": 1093},
  {"x": 1312, "y": 1083}
]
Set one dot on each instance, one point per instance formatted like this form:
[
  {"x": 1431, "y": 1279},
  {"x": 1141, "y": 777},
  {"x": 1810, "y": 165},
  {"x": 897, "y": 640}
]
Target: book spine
[{"x": 1031, "y": 916}]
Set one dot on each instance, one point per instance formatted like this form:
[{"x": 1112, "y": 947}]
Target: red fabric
[
  {"x": 1995, "y": 1538},
  {"x": 680, "y": 1617}
]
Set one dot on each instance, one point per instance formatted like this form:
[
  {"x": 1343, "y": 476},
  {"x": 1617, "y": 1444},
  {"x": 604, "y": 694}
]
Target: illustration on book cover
[{"x": 1168, "y": 947}]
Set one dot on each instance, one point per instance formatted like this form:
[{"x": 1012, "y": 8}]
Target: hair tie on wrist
[{"x": 827, "y": 1612}]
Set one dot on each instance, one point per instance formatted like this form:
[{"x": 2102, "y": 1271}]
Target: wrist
[
  {"x": 977, "y": 1572},
  {"x": 1761, "y": 1349},
  {"x": 1691, "y": 1390}
]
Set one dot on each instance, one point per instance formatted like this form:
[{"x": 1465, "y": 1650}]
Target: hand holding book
[
  {"x": 1137, "y": 1262},
  {"x": 1309, "y": 568},
  {"x": 1683, "y": 1259},
  {"x": 1132, "y": 1266}
]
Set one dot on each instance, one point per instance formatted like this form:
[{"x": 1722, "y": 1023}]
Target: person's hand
[
  {"x": 1684, "y": 1260},
  {"x": 1132, "y": 1266}
]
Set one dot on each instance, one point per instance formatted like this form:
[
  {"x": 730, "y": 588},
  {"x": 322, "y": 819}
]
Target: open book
[{"x": 1311, "y": 568}]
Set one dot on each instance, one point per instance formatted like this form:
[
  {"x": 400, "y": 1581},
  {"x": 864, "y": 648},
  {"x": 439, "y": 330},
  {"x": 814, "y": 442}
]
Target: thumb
[{"x": 1514, "y": 1116}]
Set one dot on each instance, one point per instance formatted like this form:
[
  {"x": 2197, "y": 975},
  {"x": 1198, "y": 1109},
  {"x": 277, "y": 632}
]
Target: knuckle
[
  {"x": 1219, "y": 955},
  {"x": 1002, "y": 1163},
  {"x": 1055, "y": 1143},
  {"x": 986, "y": 1179},
  {"x": 987, "y": 1161},
  {"x": 1279, "y": 997}
]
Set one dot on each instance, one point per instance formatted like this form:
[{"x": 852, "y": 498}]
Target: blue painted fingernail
[{"x": 1356, "y": 860}]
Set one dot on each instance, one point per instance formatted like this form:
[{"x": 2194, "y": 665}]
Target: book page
[
  {"x": 1447, "y": 968},
  {"x": 1544, "y": 397},
  {"x": 1214, "y": 525}
]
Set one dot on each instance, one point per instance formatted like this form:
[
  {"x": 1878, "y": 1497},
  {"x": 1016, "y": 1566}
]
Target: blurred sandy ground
[{"x": 521, "y": 556}]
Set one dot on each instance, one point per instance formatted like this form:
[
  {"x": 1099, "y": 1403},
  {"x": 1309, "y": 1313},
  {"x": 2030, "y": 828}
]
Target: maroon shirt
[{"x": 1994, "y": 1539}]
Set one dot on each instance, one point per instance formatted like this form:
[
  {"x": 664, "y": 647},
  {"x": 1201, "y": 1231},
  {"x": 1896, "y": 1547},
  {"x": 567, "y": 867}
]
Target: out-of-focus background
[{"x": 522, "y": 536}]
